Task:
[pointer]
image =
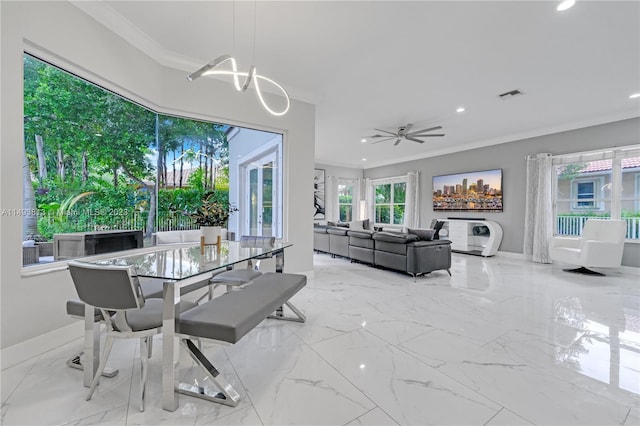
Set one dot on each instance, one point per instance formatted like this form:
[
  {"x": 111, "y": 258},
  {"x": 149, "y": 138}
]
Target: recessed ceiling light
[
  {"x": 566, "y": 4},
  {"x": 363, "y": 140},
  {"x": 634, "y": 96},
  {"x": 364, "y": 159},
  {"x": 461, "y": 109}
]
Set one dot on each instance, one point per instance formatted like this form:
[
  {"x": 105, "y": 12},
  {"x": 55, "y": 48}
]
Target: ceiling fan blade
[
  {"x": 427, "y": 136},
  {"x": 397, "y": 142},
  {"x": 424, "y": 130},
  {"x": 409, "y": 138},
  {"x": 407, "y": 128},
  {"x": 385, "y": 131},
  {"x": 382, "y": 140},
  {"x": 376, "y": 136}
]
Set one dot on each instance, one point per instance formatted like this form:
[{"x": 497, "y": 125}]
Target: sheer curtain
[
  {"x": 370, "y": 197},
  {"x": 538, "y": 224},
  {"x": 358, "y": 196},
  {"x": 412, "y": 201},
  {"x": 332, "y": 209}
]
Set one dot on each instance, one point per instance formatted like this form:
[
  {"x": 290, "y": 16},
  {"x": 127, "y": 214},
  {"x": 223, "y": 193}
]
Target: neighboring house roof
[
  {"x": 597, "y": 166},
  {"x": 185, "y": 176},
  {"x": 604, "y": 165}
]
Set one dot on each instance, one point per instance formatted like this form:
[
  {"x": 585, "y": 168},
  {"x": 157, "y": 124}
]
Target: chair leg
[
  {"x": 103, "y": 362},
  {"x": 145, "y": 348},
  {"x": 150, "y": 347}
]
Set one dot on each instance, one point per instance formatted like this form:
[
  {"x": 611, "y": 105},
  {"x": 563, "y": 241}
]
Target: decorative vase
[{"x": 210, "y": 233}]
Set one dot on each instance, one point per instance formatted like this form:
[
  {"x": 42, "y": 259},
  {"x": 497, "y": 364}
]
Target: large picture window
[
  {"x": 597, "y": 185},
  {"x": 96, "y": 161},
  {"x": 390, "y": 202},
  {"x": 345, "y": 200}
]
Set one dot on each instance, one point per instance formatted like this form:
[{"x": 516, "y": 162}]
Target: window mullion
[{"x": 616, "y": 188}]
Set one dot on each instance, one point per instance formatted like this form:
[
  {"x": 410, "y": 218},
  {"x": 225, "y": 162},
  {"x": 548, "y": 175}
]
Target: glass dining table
[{"x": 178, "y": 266}]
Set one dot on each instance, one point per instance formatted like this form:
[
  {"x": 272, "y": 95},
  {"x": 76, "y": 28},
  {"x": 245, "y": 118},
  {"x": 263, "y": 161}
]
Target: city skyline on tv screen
[{"x": 472, "y": 191}]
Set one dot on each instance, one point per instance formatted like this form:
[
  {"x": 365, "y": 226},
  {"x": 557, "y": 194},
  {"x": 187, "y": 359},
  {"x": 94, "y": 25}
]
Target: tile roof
[{"x": 602, "y": 165}]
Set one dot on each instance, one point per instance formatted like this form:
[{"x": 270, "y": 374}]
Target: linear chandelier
[{"x": 252, "y": 75}]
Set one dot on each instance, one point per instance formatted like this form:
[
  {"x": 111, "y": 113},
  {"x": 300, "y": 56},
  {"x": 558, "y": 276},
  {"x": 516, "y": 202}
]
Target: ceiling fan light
[{"x": 566, "y": 4}]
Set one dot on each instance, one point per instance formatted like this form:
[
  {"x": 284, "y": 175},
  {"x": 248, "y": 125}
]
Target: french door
[{"x": 261, "y": 192}]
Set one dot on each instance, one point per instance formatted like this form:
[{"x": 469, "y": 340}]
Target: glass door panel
[{"x": 262, "y": 193}]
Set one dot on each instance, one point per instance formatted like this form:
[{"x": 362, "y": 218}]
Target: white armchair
[{"x": 600, "y": 246}]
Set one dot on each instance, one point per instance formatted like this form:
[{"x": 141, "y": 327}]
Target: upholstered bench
[{"x": 229, "y": 317}]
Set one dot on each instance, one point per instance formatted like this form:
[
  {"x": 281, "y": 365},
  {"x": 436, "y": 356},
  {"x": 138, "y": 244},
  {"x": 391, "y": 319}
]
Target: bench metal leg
[
  {"x": 279, "y": 314},
  {"x": 226, "y": 394}
]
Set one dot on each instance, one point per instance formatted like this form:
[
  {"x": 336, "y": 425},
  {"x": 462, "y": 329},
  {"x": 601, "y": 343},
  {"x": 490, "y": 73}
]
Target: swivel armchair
[{"x": 600, "y": 246}]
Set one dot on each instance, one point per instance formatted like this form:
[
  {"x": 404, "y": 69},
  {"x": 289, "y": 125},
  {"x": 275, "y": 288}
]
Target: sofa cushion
[
  {"x": 364, "y": 234},
  {"x": 423, "y": 234},
  {"x": 320, "y": 229},
  {"x": 335, "y": 230},
  {"x": 395, "y": 237}
]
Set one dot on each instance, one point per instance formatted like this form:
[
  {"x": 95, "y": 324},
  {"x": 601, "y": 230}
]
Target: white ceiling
[{"x": 384, "y": 64}]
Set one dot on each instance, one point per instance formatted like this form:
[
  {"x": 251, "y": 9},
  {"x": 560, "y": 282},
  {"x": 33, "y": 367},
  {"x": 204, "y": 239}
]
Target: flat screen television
[{"x": 468, "y": 192}]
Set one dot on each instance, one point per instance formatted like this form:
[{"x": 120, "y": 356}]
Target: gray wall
[{"x": 510, "y": 157}]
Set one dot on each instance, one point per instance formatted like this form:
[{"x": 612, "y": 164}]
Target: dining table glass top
[{"x": 181, "y": 261}]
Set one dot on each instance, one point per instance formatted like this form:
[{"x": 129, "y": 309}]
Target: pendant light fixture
[{"x": 252, "y": 76}]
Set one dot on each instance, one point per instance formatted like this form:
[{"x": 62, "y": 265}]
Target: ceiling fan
[{"x": 404, "y": 132}]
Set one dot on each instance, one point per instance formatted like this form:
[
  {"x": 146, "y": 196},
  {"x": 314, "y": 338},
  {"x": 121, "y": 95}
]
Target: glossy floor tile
[{"x": 500, "y": 342}]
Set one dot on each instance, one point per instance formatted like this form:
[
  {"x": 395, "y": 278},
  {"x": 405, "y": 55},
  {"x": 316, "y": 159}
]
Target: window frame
[
  {"x": 614, "y": 186},
  {"x": 100, "y": 82},
  {"x": 346, "y": 183},
  {"x": 598, "y": 200},
  {"x": 391, "y": 203}
]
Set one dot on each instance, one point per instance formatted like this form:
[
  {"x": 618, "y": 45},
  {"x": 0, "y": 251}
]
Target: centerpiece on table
[{"x": 212, "y": 214}]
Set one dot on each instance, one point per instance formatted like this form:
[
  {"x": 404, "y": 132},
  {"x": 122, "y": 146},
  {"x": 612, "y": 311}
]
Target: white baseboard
[
  {"x": 23, "y": 351},
  {"x": 510, "y": 254}
]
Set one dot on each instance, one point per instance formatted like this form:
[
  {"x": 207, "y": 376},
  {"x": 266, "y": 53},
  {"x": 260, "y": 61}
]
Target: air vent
[{"x": 510, "y": 94}]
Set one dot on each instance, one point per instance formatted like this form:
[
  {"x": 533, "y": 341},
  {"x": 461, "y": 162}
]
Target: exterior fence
[
  {"x": 126, "y": 219},
  {"x": 572, "y": 225}
]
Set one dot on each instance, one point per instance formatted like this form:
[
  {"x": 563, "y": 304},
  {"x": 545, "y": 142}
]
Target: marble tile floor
[{"x": 501, "y": 342}]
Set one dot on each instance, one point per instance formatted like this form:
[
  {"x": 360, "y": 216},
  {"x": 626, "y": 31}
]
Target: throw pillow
[{"x": 423, "y": 234}]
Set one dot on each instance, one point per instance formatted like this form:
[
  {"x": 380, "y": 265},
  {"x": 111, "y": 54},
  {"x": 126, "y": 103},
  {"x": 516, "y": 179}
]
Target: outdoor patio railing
[
  {"x": 572, "y": 225},
  {"x": 165, "y": 221}
]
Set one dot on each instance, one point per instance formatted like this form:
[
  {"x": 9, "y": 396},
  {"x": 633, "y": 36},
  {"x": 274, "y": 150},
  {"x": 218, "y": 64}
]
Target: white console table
[{"x": 471, "y": 236}]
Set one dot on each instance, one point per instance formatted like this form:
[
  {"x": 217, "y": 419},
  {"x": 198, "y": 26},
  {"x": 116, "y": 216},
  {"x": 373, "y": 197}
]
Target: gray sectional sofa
[{"x": 406, "y": 252}]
